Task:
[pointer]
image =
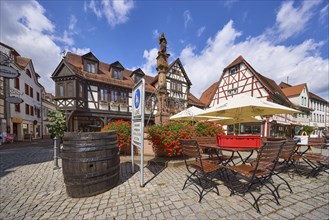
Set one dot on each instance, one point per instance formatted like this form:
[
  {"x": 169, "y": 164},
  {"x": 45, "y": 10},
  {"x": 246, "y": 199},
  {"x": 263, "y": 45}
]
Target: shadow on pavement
[
  {"x": 155, "y": 166},
  {"x": 26, "y": 154}
]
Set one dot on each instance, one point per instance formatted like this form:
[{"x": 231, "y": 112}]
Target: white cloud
[
  {"x": 187, "y": 17},
  {"x": 324, "y": 14},
  {"x": 66, "y": 39},
  {"x": 201, "y": 30},
  {"x": 24, "y": 24},
  {"x": 229, "y": 3},
  {"x": 115, "y": 12},
  {"x": 300, "y": 62},
  {"x": 150, "y": 56},
  {"x": 26, "y": 28},
  {"x": 72, "y": 23},
  {"x": 92, "y": 6},
  {"x": 79, "y": 51},
  {"x": 155, "y": 33},
  {"x": 292, "y": 20}
]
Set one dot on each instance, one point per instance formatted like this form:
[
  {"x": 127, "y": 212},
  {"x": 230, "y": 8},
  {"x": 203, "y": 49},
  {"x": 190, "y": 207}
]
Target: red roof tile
[
  {"x": 22, "y": 61},
  {"x": 208, "y": 94},
  {"x": 192, "y": 100},
  {"x": 104, "y": 74},
  {"x": 294, "y": 90}
]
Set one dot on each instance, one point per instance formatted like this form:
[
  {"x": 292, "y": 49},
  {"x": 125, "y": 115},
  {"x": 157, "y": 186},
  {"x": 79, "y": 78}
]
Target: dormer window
[
  {"x": 91, "y": 68},
  {"x": 233, "y": 70},
  {"x": 137, "y": 78},
  {"x": 116, "y": 74}
]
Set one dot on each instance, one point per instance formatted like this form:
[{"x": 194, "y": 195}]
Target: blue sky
[{"x": 279, "y": 39}]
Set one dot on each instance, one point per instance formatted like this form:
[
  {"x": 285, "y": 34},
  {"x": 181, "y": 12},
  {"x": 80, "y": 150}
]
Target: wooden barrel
[{"x": 91, "y": 162}]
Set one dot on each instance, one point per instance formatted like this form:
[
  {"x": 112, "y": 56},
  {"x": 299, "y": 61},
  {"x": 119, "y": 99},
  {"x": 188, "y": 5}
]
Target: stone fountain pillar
[{"x": 162, "y": 114}]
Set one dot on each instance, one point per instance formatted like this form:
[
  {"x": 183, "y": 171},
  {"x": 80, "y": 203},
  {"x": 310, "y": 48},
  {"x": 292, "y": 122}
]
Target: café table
[
  {"x": 308, "y": 146},
  {"x": 233, "y": 150}
]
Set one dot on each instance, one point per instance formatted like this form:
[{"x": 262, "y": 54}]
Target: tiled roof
[
  {"x": 277, "y": 93},
  {"x": 208, "y": 94},
  {"x": 192, "y": 100},
  {"x": 238, "y": 60},
  {"x": 22, "y": 61},
  {"x": 74, "y": 62},
  {"x": 104, "y": 74},
  {"x": 294, "y": 90},
  {"x": 283, "y": 85},
  {"x": 313, "y": 96}
]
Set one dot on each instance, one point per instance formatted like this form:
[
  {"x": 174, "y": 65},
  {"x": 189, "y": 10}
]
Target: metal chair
[
  {"x": 259, "y": 174},
  {"x": 201, "y": 171},
  {"x": 317, "y": 163},
  {"x": 287, "y": 158}
]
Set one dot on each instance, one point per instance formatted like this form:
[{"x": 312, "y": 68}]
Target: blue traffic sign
[{"x": 137, "y": 98}]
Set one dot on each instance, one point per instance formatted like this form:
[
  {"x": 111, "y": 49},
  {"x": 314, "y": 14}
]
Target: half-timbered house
[
  {"x": 239, "y": 77},
  {"x": 92, "y": 92},
  {"x": 178, "y": 88}
]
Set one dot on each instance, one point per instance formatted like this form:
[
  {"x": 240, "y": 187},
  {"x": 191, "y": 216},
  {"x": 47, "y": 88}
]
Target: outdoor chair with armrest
[
  {"x": 259, "y": 175},
  {"x": 317, "y": 163},
  {"x": 287, "y": 158},
  {"x": 201, "y": 171}
]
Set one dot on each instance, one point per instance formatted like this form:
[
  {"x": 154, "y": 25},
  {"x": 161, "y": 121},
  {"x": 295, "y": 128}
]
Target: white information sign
[
  {"x": 137, "y": 125},
  {"x": 137, "y": 133}
]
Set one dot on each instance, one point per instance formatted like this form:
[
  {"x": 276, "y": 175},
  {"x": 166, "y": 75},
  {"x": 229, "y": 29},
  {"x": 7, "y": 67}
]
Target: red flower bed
[
  {"x": 123, "y": 129},
  {"x": 165, "y": 138}
]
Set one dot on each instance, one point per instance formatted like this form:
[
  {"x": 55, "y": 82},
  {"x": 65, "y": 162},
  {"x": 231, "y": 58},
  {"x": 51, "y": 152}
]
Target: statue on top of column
[{"x": 163, "y": 44}]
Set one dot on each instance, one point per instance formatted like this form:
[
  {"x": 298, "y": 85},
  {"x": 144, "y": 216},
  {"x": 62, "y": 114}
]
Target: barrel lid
[{"x": 88, "y": 135}]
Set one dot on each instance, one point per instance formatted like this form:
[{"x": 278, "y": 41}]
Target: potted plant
[{"x": 114, "y": 104}]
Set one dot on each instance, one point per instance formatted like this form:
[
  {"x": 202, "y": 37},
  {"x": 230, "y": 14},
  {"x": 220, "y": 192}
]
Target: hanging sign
[
  {"x": 14, "y": 100},
  {"x": 8, "y": 72}
]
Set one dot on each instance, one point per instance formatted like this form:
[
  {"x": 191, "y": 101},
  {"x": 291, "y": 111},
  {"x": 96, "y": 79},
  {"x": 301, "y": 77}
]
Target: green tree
[
  {"x": 307, "y": 129},
  {"x": 58, "y": 123}
]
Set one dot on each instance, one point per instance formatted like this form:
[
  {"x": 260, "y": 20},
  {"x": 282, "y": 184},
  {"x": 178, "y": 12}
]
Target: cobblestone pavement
[{"x": 31, "y": 189}]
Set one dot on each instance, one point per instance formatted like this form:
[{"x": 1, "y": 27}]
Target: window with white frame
[
  {"x": 103, "y": 95},
  {"x": 116, "y": 74},
  {"x": 114, "y": 95},
  {"x": 234, "y": 70},
  {"x": 232, "y": 91},
  {"x": 91, "y": 68},
  {"x": 80, "y": 92},
  {"x": 124, "y": 97},
  {"x": 70, "y": 89},
  {"x": 60, "y": 89},
  {"x": 176, "y": 86}
]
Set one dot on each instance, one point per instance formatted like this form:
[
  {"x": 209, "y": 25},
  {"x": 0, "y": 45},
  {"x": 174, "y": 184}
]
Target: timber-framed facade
[
  {"x": 239, "y": 77},
  {"x": 93, "y": 93}
]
